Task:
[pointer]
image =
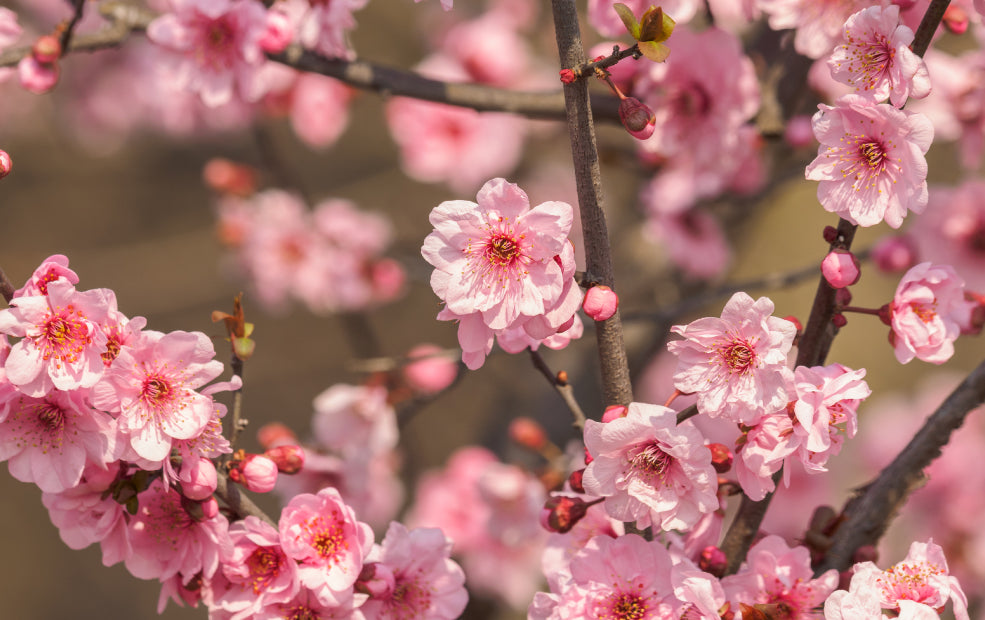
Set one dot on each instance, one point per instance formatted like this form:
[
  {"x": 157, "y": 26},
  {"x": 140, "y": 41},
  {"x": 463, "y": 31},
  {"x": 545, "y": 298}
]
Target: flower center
[
  {"x": 500, "y": 255},
  {"x": 925, "y": 312},
  {"x": 868, "y": 62},
  {"x": 157, "y": 391},
  {"x": 872, "y": 153},
  {"x": 910, "y": 582},
  {"x": 301, "y": 612},
  {"x": 50, "y": 416},
  {"x": 264, "y": 565},
  {"x": 502, "y": 249},
  {"x": 327, "y": 539},
  {"x": 651, "y": 464},
  {"x": 65, "y": 336},
  {"x": 624, "y": 606},
  {"x": 738, "y": 355}
]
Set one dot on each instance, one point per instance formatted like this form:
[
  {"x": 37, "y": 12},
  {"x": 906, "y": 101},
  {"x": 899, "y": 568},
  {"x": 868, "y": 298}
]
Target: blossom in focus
[
  {"x": 827, "y": 397},
  {"x": 212, "y": 47},
  {"x": 650, "y": 469},
  {"x": 736, "y": 363},
  {"x": 870, "y": 163},
  {"x": 876, "y": 58},
  {"x": 927, "y": 313},
  {"x": 52, "y": 268},
  {"x": 840, "y": 268}
]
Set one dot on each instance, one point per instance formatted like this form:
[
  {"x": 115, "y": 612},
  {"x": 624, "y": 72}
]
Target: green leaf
[
  {"x": 655, "y": 25},
  {"x": 628, "y": 19},
  {"x": 657, "y": 52}
]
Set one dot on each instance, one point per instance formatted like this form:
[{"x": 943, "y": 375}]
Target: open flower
[{"x": 871, "y": 163}]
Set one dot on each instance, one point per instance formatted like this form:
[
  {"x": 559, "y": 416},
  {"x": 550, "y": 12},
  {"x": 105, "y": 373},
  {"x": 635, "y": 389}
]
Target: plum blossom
[
  {"x": 61, "y": 342},
  {"x": 50, "y": 269},
  {"x": 736, "y": 363},
  {"x": 325, "y": 25},
  {"x": 952, "y": 231},
  {"x": 819, "y": 23},
  {"x": 870, "y": 163},
  {"x": 213, "y": 48},
  {"x": 426, "y": 583},
  {"x": 650, "y": 469},
  {"x": 927, "y": 313},
  {"x": 876, "y": 59},
  {"x": 827, "y": 397}
]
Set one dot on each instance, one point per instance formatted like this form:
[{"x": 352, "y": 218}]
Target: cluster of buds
[
  {"x": 258, "y": 472},
  {"x": 38, "y": 71}
]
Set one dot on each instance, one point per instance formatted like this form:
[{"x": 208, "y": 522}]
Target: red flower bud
[
  {"x": 528, "y": 433},
  {"x": 713, "y": 561},
  {"x": 575, "y": 480},
  {"x": 637, "y": 118},
  {"x": 289, "y": 459},
  {"x": 256, "y": 472},
  {"x": 6, "y": 164},
  {"x": 47, "y": 49},
  {"x": 830, "y": 234},
  {"x": 561, "y": 513},
  {"x": 568, "y": 76},
  {"x": 839, "y": 320},
  {"x": 721, "y": 457}
]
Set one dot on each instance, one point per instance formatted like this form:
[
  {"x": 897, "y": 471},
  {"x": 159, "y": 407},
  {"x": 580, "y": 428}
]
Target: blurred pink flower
[
  {"x": 325, "y": 26},
  {"x": 819, "y": 23},
  {"x": 952, "y": 230},
  {"x": 870, "y": 163},
  {"x": 927, "y": 313}
]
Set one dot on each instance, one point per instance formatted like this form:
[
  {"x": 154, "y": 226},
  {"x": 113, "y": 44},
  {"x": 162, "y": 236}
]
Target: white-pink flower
[
  {"x": 871, "y": 162},
  {"x": 927, "y": 313},
  {"x": 827, "y": 397},
  {"x": 61, "y": 342},
  {"x": 650, "y": 469},
  {"x": 213, "y": 47},
  {"x": 737, "y": 363},
  {"x": 876, "y": 59}
]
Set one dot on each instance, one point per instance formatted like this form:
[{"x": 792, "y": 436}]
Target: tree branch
[{"x": 563, "y": 388}]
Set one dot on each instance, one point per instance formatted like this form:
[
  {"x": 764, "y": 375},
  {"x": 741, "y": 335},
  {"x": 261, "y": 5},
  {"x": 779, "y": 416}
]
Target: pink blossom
[
  {"x": 876, "y": 59},
  {"x": 326, "y": 25},
  {"x": 952, "y": 231},
  {"x": 256, "y": 472},
  {"x": 430, "y": 370},
  {"x": 819, "y": 23},
  {"x": 650, "y": 469},
  {"x": 600, "y": 303},
  {"x": 61, "y": 342},
  {"x": 897, "y": 253},
  {"x": 870, "y": 164},
  {"x": 322, "y": 533},
  {"x": 490, "y": 50},
  {"x": 827, "y": 397},
  {"x": 927, "y": 313},
  {"x": 306, "y": 605},
  {"x": 775, "y": 573},
  {"x": 840, "y": 268},
  {"x": 279, "y": 31},
  {"x": 761, "y": 452},
  {"x": 427, "y": 584},
  {"x": 50, "y": 440},
  {"x": 606, "y": 21},
  {"x": 153, "y": 387},
  {"x": 10, "y": 30},
  {"x": 693, "y": 240},
  {"x": 355, "y": 420},
  {"x": 736, "y": 363},
  {"x": 167, "y": 541},
  {"x": 51, "y": 268},
  {"x": 213, "y": 47},
  {"x": 319, "y": 109}
]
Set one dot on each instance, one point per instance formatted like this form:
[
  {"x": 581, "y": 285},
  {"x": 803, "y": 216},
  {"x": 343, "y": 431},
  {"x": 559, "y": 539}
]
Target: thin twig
[
  {"x": 66, "y": 38},
  {"x": 563, "y": 388},
  {"x": 6, "y": 288},
  {"x": 237, "y": 422}
]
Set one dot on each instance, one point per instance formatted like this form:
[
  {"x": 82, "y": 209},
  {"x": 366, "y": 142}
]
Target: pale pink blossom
[
  {"x": 870, "y": 163},
  {"x": 212, "y": 47},
  {"x": 306, "y": 605},
  {"x": 153, "y": 387},
  {"x": 61, "y": 343},
  {"x": 952, "y": 231},
  {"x": 427, "y": 584},
  {"x": 693, "y": 240},
  {"x": 353, "y": 420},
  {"x": 606, "y": 21},
  {"x": 827, "y": 398},
  {"x": 561, "y": 548},
  {"x": 52, "y": 268},
  {"x": 876, "y": 59},
  {"x": 761, "y": 453},
  {"x": 736, "y": 363},
  {"x": 819, "y": 23},
  {"x": 322, "y": 533},
  {"x": 429, "y": 370},
  {"x": 650, "y": 469},
  {"x": 50, "y": 440},
  {"x": 319, "y": 109},
  {"x": 490, "y": 49},
  {"x": 197, "y": 478},
  {"x": 775, "y": 573},
  {"x": 927, "y": 313},
  {"x": 10, "y": 30},
  {"x": 325, "y": 27}
]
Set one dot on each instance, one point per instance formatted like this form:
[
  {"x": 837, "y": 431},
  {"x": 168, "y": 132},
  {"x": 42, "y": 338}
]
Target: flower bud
[
  {"x": 561, "y": 513},
  {"x": 289, "y": 459},
  {"x": 721, "y": 457},
  {"x": 713, "y": 561},
  {"x": 830, "y": 234},
  {"x": 972, "y": 322},
  {"x": 432, "y": 371},
  {"x": 614, "y": 411},
  {"x": 600, "y": 303},
  {"x": 47, "y": 49},
  {"x": 843, "y": 297},
  {"x": 528, "y": 433},
  {"x": 567, "y": 76},
  {"x": 6, "y": 164},
  {"x": 210, "y": 508},
  {"x": 894, "y": 254},
  {"x": 839, "y": 320},
  {"x": 575, "y": 480},
  {"x": 228, "y": 177},
  {"x": 955, "y": 19},
  {"x": 197, "y": 480},
  {"x": 37, "y": 77},
  {"x": 275, "y": 434},
  {"x": 637, "y": 118},
  {"x": 256, "y": 472},
  {"x": 279, "y": 31},
  {"x": 840, "y": 268}
]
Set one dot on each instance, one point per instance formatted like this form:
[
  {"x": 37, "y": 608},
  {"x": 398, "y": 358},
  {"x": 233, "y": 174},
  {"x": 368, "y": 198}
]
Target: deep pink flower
[
  {"x": 736, "y": 363},
  {"x": 840, "y": 268},
  {"x": 870, "y": 163},
  {"x": 61, "y": 342},
  {"x": 650, "y": 469},
  {"x": 322, "y": 533},
  {"x": 213, "y": 47},
  {"x": 52, "y": 268},
  {"x": 426, "y": 583},
  {"x": 153, "y": 387},
  {"x": 876, "y": 58},
  {"x": 927, "y": 313}
]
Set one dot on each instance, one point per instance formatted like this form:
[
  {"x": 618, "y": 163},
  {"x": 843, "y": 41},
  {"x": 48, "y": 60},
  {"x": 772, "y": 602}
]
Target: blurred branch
[
  {"x": 78, "y": 7},
  {"x": 616, "y": 385},
  {"x": 867, "y": 514},
  {"x": 562, "y": 387}
]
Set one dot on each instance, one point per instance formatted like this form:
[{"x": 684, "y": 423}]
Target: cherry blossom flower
[
  {"x": 426, "y": 583},
  {"x": 775, "y": 573},
  {"x": 355, "y": 420},
  {"x": 927, "y": 313},
  {"x": 827, "y": 396},
  {"x": 322, "y": 533},
  {"x": 319, "y": 109},
  {"x": 153, "y": 387},
  {"x": 213, "y": 47},
  {"x": 952, "y": 231},
  {"x": 736, "y": 363},
  {"x": 693, "y": 240},
  {"x": 61, "y": 342},
  {"x": 876, "y": 59},
  {"x": 50, "y": 440},
  {"x": 650, "y": 469},
  {"x": 870, "y": 164},
  {"x": 52, "y": 268}
]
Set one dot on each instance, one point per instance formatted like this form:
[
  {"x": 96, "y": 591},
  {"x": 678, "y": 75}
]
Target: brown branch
[
  {"x": 928, "y": 26},
  {"x": 868, "y": 513},
  {"x": 78, "y": 7},
  {"x": 241, "y": 505},
  {"x": 6, "y": 288},
  {"x": 616, "y": 385},
  {"x": 562, "y": 387}
]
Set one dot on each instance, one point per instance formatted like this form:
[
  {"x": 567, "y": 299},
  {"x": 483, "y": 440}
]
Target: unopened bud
[
  {"x": 47, "y": 49},
  {"x": 256, "y": 472},
  {"x": 6, "y": 164},
  {"x": 210, "y": 508},
  {"x": 972, "y": 323},
  {"x": 613, "y": 412},
  {"x": 575, "y": 480},
  {"x": 561, "y": 513},
  {"x": 721, "y": 457},
  {"x": 830, "y": 234},
  {"x": 600, "y": 303},
  {"x": 894, "y": 254},
  {"x": 637, "y": 118},
  {"x": 886, "y": 313},
  {"x": 528, "y": 433},
  {"x": 275, "y": 434},
  {"x": 713, "y": 561},
  {"x": 955, "y": 19},
  {"x": 288, "y": 458},
  {"x": 228, "y": 177},
  {"x": 432, "y": 371},
  {"x": 37, "y": 77},
  {"x": 839, "y": 320},
  {"x": 840, "y": 268},
  {"x": 279, "y": 31},
  {"x": 197, "y": 480},
  {"x": 843, "y": 297}
]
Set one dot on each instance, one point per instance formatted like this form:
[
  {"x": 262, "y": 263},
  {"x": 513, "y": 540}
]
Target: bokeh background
[{"x": 133, "y": 215}]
